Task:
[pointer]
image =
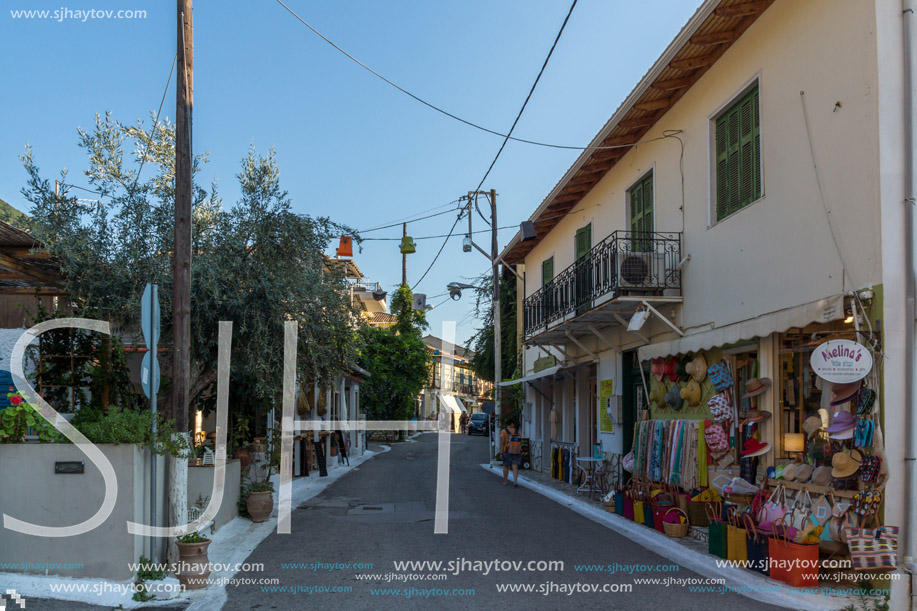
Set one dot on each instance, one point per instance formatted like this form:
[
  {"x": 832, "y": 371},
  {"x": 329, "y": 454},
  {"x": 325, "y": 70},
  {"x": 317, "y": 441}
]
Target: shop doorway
[{"x": 633, "y": 397}]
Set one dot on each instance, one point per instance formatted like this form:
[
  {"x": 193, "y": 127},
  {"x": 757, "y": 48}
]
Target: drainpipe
[{"x": 910, "y": 362}]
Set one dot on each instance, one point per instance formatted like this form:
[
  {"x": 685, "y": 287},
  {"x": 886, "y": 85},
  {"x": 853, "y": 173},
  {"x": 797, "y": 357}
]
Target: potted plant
[
  {"x": 240, "y": 442},
  {"x": 260, "y": 501},
  {"x": 193, "y": 564}
]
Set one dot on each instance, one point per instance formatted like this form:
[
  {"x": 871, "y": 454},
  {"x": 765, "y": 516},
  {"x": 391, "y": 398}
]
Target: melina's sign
[{"x": 841, "y": 361}]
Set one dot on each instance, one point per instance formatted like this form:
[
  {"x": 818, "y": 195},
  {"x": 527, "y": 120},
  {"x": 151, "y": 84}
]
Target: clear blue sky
[{"x": 349, "y": 146}]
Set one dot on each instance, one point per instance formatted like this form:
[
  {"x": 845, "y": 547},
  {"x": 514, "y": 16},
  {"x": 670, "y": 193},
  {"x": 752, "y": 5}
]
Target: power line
[
  {"x": 437, "y": 108},
  {"x": 527, "y": 98},
  {"x": 433, "y": 262},
  {"x": 402, "y": 219},
  {"x": 399, "y": 223},
  {"x": 433, "y": 237},
  {"x": 155, "y": 123}
]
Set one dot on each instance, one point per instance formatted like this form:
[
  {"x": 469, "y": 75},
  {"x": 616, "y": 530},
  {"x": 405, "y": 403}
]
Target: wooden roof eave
[{"x": 671, "y": 88}]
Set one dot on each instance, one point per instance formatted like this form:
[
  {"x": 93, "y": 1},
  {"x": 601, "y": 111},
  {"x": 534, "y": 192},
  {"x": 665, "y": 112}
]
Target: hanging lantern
[
  {"x": 407, "y": 245},
  {"x": 345, "y": 249}
]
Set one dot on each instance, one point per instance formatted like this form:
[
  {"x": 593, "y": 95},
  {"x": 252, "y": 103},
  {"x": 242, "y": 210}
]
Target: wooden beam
[
  {"x": 13, "y": 276},
  {"x": 653, "y": 104},
  {"x": 740, "y": 10},
  {"x": 25, "y": 252},
  {"x": 627, "y": 140},
  {"x": 17, "y": 266},
  {"x": 713, "y": 38},
  {"x": 43, "y": 291},
  {"x": 638, "y": 122},
  {"x": 673, "y": 83},
  {"x": 692, "y": 63}
]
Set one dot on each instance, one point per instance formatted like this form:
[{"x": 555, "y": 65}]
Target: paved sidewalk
[{"x": 689, "y": 552}]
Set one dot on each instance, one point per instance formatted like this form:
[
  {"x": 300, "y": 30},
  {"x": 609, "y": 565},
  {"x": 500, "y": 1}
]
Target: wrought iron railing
[{"x": 624, "y": 262}]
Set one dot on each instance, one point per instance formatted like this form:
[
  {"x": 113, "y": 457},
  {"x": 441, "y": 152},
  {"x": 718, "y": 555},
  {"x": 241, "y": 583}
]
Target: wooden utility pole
[
  {"x": 404, "y": 256},
  {"x": 181, "y": 259}
]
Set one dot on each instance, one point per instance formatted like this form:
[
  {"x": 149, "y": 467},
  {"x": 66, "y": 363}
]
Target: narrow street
[{"x": 487, "y": 522}]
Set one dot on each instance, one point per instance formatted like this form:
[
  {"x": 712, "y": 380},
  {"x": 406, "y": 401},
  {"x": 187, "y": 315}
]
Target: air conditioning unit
[{"x": 641, "y": 270}]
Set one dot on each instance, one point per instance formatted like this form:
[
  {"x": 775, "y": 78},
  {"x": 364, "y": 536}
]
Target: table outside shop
[{"x": 588, "y": 465}]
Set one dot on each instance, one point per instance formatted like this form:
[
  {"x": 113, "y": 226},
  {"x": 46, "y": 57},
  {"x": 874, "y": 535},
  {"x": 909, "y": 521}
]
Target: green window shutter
[
  {"x": 583, "y": 243},
  {"x": 547, "y": 271},
  {"x": 641, "y": 211},
  {"x": 738, "y": 156}
]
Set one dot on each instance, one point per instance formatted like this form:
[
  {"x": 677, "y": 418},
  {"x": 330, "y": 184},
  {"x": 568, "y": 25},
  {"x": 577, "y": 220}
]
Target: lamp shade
[{"x": 794, "y": 442}]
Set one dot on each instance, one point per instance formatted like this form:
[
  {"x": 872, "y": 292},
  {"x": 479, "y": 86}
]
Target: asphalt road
[{"x": 383, "y": 512}]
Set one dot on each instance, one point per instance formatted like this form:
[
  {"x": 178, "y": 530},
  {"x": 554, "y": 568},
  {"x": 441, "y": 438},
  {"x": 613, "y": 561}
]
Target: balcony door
[{"x": 583, "y": 269}]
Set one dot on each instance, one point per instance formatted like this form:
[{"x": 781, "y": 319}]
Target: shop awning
[
  {"x": 821, "y": 311},
  {"x": 460, "y": 405},
  {"x": 533, "y": 376},
  {"x": 451, "y": 404}
]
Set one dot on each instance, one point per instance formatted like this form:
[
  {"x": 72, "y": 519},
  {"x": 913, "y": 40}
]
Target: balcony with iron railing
[{"x": 624, "y": 263}]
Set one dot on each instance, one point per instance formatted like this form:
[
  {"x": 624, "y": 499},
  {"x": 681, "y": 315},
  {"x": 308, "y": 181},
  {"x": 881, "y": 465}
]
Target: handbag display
[
  {"x": 736, "y": 544},
  {"x": 716, "y": 534},
  {"x": 792, "y": 563},
  {"x": 801, "y": 514},
  {"x": 874, "y": 549},
  {"x": 756, "y": 545},
  {"x": 716, "y": 438},
  {"x": 720, "y": 376},
  {"x": 719, "y": 407},
  {"x": 773, "y": 510}
]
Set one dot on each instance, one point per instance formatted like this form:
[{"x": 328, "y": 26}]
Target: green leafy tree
[
  {"x": 482, "y": 342},
  {"x": 397, "y": 360},
  {"x": 257, "y": 263}
]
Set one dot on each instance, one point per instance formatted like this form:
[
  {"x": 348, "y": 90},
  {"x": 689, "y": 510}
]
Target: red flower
[{"x": 16, "y": 400}]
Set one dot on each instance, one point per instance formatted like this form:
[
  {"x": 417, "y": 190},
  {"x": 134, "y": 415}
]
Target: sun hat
[
  {"x": 811, "y": 425},
  {"x": 657, "y": 368},
  {"x": 790, "y": 470},
  {"x": 841, "y": 422},
  {"x": 673, "y": 397},
  {"x": 844, "y": 464},
  {"x": 691, "y": 393},
  {"x": 845, "y": 434},
  {"x": 822, "y": 476},
  {"x": 670, "y": 371},
  {"x": 680, "y": 367},
  {"x": 756, "y": 386},
  {"x": 755, "y": 415},
  {"x": 697, "y": 368},
  {"x": 753, "y": 447},
  {"x": 843, "y": 393},
  {"x": 804, "y": 473}
]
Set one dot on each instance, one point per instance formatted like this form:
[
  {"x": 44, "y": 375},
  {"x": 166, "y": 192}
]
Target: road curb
[{"x": 703, "y": 564}]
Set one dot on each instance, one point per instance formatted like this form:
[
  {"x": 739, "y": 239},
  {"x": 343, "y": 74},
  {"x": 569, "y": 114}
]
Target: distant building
[{"x": 453, "y": 386}]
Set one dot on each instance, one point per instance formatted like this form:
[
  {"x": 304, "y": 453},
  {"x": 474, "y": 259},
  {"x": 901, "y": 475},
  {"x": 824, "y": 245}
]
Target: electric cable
[
  {"x": 398, "y": 223},
  {"x": 446, "y": 241},
  {"x": 433, "y": 106},
  {"x": 409, "y": 218},
  {"x": 433, "y": 237},
  {"x": 155, "y": 123},
  {"x": 527, "y": 98}
]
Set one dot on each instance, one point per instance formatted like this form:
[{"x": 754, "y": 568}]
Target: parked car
[{"x": 478, "y": 424}]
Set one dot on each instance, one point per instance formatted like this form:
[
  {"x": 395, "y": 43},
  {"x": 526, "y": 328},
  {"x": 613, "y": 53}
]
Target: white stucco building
[{"x": 749, "y": 194}]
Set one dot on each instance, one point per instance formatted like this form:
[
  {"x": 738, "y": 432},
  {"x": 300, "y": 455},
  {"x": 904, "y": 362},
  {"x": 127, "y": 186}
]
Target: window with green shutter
[
  {"x": 547, "y": 271},
  {"x": 738, "y": 155},
  {"x": 641, "y": 213}
]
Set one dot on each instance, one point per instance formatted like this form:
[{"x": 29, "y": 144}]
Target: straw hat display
[
  {"x": 843, "y": 393},
  {"x": 811, "y": 425},
  {"x": 822, "y": 476},
  {"x": 657, "y": 368},
  {"x": 843, "y": 426},
  {"x": 844, "y": 464},
  {"x": 756, "y": 386},
  {"x": 657, "y": 396},
  {"x": 673, "y": 397},
  {"x": 753, "y": 447},
  {"x": 691, "y": 393},
  {"x": 755, "y": 415},
  {"x": 697, "y": 368}
]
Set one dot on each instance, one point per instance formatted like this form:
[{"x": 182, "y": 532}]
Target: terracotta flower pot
[
  {"x": 260, "y": 505},
  {"x": 193, "y": 565},
  {"x": 245, "y": 457},
  {"x": 334, "y": 450}
]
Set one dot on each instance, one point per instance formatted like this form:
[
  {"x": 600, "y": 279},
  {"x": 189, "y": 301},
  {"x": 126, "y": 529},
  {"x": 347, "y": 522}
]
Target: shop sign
[{"x": 841, "y": 361}]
